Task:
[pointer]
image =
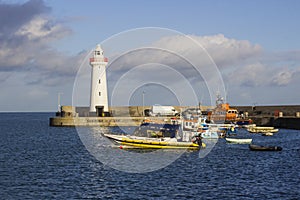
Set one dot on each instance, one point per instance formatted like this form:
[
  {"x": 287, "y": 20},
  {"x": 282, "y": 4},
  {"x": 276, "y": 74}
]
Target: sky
[{"x": 172, "y": 52}]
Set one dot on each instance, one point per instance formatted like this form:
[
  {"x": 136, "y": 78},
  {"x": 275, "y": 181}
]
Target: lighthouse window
[
  {"x": 99, "y": 81},
  {"x": 99, "y": 93}
]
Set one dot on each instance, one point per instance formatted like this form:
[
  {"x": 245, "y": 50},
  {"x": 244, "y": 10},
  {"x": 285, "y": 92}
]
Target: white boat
[
  {"x": 210, "y": 134},
  {"x": 239, "y": 140},
  {"x": 197, "y": 124},
  {"x": 258, "y": 129}
]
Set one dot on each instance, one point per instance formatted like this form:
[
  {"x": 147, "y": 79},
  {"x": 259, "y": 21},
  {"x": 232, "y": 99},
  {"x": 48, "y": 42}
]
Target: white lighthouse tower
[{"x": 98, "y": 80}]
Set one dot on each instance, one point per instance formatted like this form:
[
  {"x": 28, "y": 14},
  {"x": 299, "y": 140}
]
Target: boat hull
[
  {"x": 253, "y": 147},
  {"x": 153, "y": 146},
  {"x": 152, "y": 143},
  {"x": 262, "y": 130},
  {"x": 239, "y": 140}
]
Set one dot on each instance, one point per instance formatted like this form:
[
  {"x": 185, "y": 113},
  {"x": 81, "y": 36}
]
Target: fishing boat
[
  {"x": 254, "y": 147},
  {"x": 154, "y": 143},
  {"x": 239, "y": 140}
]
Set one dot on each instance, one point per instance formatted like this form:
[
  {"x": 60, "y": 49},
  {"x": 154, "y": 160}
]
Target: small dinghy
[
  {"x": 254, "y": 147},
  {"x": 239, "y": 140}
]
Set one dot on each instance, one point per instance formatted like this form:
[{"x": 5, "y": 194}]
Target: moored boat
[
  {"x": 239, "y": 140},
  {"x": 196, "y": 122},
  {"x": 210, "y": 134},
  {"x": 254, "y": 147},
  {"x": 243, "y": 122},
  {"x": 154, "y": 143},
  {"x": 257, "y": 129}
]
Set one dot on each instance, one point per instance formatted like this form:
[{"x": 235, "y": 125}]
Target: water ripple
[{"x": 42, "y": 162}]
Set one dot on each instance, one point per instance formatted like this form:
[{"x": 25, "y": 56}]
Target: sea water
[{"x": 42, "y": 162}]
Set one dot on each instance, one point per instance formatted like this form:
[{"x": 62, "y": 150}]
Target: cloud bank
[
  {"x": 195, "y": 57},
  {"x": 26, "y": 33},
  {"x": 244, "y": 66}
]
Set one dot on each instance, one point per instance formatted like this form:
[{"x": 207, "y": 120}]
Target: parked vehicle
[{"x": 158, "y": 110}]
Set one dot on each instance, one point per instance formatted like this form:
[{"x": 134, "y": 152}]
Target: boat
[
  {"x": 243, "y": 122},
  {"x": 224, "y": 113},
  {"x": 254, "y": 147},
  {"x": 194, "y": 121},
  {"x": 180, "y": 134},
  {"x": 209, "y": 134},
  {"x": 261, "y": 129},
  {"x": 154, "y": 143},
  {"x": 239, "y": 140},
  {"x": 219, "y": 113}
]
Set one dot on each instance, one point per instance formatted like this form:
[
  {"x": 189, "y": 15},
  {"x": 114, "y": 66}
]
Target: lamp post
[
  {"x": 58, "y": 101},
  {"x": 143, "y": 103}
]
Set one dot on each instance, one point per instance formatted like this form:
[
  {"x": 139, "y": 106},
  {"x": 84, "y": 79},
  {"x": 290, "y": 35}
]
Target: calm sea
[{"x": 42, "y": 162}]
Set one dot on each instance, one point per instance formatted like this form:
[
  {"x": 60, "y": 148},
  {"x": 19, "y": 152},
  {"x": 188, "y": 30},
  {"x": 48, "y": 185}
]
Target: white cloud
[
  {"x": 252, "y": 75},
  {"x": 282, "y": 78},
  {"x": 224, "y": 51},
  {"x": 41, "y": 28},
  {"x": 171, "y": 49},
  {"x": 25, "y": 44},
  {"x": 26, "y": 54},
  {"x": 194, "y": 57}
]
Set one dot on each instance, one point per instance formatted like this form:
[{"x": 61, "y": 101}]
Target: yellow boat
[{"x": 153, "y": 143}]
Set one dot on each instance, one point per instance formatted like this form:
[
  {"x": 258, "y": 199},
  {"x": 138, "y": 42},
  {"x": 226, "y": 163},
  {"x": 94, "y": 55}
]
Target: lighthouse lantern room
[{"x": 98, "y": 92}]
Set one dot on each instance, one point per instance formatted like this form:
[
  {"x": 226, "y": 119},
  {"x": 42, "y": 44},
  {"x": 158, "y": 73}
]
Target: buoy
[{"x": 121, "y": 147}]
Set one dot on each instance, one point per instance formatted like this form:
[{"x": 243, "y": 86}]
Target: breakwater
[
  {"x": 119, "y": 116},
  {"x": 102, "y": 121},
  {"x": 285, "y": 116}
]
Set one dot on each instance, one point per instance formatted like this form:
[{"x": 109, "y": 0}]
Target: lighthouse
[{"x": 98, "y": 93}]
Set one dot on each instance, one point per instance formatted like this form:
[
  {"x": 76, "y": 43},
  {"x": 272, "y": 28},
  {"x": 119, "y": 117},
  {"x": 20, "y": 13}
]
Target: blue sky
[
  {"x": 51, "y": 38},
  {"x": 273, "y": 24}
]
